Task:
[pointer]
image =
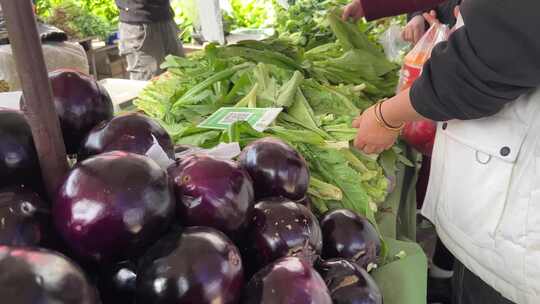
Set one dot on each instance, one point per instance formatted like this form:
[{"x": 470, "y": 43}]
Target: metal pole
[{"x": 39, "y": 107}]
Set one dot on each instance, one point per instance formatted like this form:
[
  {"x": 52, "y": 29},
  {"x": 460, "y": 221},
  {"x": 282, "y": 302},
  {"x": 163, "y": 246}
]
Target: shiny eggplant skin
[
  {"x": 42, "y": 277},
  {"x": 350, "y": 236},
  {"x": 200, "y": 265},
  {"x": 81, "y": 103},
  {"x": 211, "y": 192},
  {"x": 24, "y": 217},
  {"x": 276, "y": 169},
  {"x": 113, "y": 205},
  {"x": 18, "y": 157},
  {"x": 277, "y": 230},
  {"x": 349, "y": 283},
  {"x": 287, "y": 281},
  {"x": 118, "y": 283},
  {"x": 133, "y": 132}
]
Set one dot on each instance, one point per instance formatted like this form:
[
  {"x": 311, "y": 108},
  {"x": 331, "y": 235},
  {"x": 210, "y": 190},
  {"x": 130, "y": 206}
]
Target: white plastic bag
[
  {"x": 393, "y": 43},
  {"x": 58, "y": 55}
]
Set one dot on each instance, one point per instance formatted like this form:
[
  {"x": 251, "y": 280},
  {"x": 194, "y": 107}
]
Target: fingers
[
  {"x": 359, "y": 143},
  {"x": 346, "y": 13},
  {"x": 431, "y": 18},
  {"x": 416, "y": 36},
  {"x": 356, "y": 122},
  {"x": 457, "y": 11},
  {"x": 372, "y": 149},
  {"x": 407, "y": 34}
]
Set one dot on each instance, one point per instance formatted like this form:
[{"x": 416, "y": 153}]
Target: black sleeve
[{"x": 488, "y": 63}]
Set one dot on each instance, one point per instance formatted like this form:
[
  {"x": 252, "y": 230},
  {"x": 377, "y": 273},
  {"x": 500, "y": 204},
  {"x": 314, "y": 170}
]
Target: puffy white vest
[{"x": 484, "y": 196}]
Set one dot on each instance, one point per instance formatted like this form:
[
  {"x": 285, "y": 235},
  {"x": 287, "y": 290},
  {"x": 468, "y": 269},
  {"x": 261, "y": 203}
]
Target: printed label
[{"x": 258, "y": 118}]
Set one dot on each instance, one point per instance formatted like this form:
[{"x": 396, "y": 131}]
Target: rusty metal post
[{"x": 39, "y": 107}]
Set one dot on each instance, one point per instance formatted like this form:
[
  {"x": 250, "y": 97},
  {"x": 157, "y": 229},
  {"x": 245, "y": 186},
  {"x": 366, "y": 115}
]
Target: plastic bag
[
  {"x": 58, "y": 55},
  {"x": 224, "y": 151},
  {"x": 421, "y": 134},
  {"x": 419, "y": 55},
  {"x": 393, "y": 44}
]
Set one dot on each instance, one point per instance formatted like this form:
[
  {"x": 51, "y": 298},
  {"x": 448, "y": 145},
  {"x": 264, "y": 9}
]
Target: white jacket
[{"x": 484, "y": 196}]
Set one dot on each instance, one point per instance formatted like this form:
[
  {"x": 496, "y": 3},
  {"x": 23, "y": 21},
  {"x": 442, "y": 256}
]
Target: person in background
[
  {"x": 148, "y": 34},
  {"x": 484, "y": 190}
]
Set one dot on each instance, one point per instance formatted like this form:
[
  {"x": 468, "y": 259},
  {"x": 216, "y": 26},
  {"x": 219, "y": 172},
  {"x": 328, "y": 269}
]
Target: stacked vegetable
[
  {"x": 130, "y": 223},
  {"x": 321, "y": 90}
]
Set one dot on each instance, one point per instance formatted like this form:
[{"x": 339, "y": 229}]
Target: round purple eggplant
[
  {"x": 277, "y": 230},
  {"x": 81, "y": 103},
  {"x": 350, "y": 236},
  {"x": 118, "y": 283},
  {"x": 24, "y": 217},
  {"x": 276, "y": 169},
  {"x": 211, "y": 192},
  {"x": 306, "y": 201},
  {"x": 113, "y": 205},
  {"x": 133, "y": 132},
  {"x": 42, "y": 276},
  {"x": 288, "y": 280},
  {"x": 200, "y": 265},
  {"x": 18, "y": 157},
  {"x": 349, "y": 283}
]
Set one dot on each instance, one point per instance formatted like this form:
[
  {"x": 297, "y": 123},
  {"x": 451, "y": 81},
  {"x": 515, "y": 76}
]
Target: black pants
[
  {"x": 442, "y": 257},
  {"x": 470, "y": 289}
]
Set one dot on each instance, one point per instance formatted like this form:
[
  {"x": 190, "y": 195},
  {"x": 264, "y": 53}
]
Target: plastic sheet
[{"x": 58, "y": 55}]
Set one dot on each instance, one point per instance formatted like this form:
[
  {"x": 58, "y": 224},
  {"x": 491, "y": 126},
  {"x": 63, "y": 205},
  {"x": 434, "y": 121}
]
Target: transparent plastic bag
[
  {"x": 393, "y": 44},
  {"x": 419, "y": 55}
]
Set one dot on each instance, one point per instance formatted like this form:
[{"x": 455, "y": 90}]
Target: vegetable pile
[
  {"x": 321, "y": 90},
  {"x": 133, "y": 223}
]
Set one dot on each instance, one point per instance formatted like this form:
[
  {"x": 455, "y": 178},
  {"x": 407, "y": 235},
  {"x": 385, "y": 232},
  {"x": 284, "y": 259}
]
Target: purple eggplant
[
  {"x": 277, "y": 230},
  {"x": 349, "y": 283},
  {"x": 81, "y": 103},
  {"x": 211, "y": 192},
  {"x": 350, "y": 236},
  {"x": 133, "y": 132},
  {"x": 113, "y": 205},
  {"x": 18, "y": 157},
  {"x": 200, "y": 265},
  {"x": 306, "y": 201},
  {"x": 118, "y": 283},
  {"x": 42, "y": 276},
  {"x": 276, "y": 169},
  {"x": 287, "y": 281},
  {"x": 24, "y": 217}
]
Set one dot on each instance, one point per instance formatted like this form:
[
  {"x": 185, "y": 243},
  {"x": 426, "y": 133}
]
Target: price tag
[{"x": 258, "y": 118}]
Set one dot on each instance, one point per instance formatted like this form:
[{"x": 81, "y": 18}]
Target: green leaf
[
  {"x": 324, "y": 191},
  {"x": 288, "y": 91},
  {"x": 403, "y": 280},
  {"x": 388, "y": 160},
  {"x": 405, "y": 160}
]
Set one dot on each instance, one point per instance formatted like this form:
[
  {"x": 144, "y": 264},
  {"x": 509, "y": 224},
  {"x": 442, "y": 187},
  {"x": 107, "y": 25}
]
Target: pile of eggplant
[{"x": 124, "y": 229}]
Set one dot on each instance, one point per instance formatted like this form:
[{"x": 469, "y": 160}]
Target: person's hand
[
  {"x": 414, "y": 30},
  {"x": 431, "y": 17},
  {"x": 457, "y": 14},
  {"x": 371, "y": 137},
  {"x": 353, "y": 10}
]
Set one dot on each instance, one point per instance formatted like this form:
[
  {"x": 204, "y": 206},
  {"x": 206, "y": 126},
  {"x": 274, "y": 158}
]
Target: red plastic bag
[{"x": 421, "y": 135}]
